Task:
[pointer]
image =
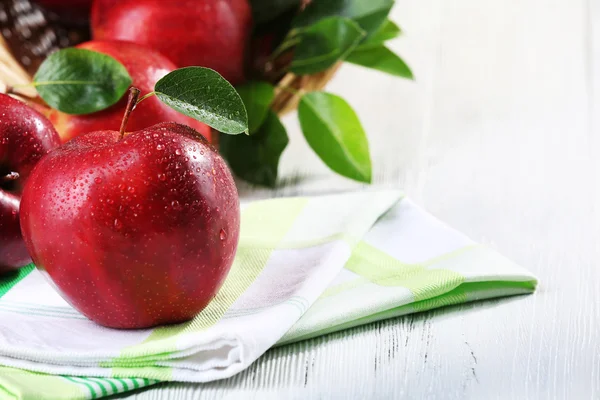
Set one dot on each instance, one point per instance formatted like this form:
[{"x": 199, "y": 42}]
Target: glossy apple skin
[
  {"x": 134, "y": 233},
  {"x": 207, "y": 33},
  {"x": 146, "y": 67},
  {"x": 25, "y": 137}
]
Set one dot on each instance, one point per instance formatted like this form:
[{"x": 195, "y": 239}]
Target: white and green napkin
[{"x": 304, "y": 267}]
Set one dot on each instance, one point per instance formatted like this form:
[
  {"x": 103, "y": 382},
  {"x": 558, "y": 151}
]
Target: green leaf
[
  {"x": 325, "y": 43},
  {"x": 335, "y": 133},
  {"x": 256, "y": 158},
  {"x": 382, "y": 59},
  {"x": 369, "y": 14},
  {"x": 257, "y": 97},
  {"x": 78, "y": 81},
  {"x": 388, "y": 31},
  {"x": 265, "y": 11},
  {"x": 203, "y": 94}
]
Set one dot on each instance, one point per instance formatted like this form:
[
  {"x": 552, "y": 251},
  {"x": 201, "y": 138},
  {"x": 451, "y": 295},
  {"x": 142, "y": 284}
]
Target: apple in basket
[
  {"x": 208, "y": 33},
  {"x": 134, "y": 229},
  {"x": 25, "y": 137}
]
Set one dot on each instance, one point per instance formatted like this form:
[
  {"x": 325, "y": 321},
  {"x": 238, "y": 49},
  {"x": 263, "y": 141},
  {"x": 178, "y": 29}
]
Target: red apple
[
  {"x": 25, "y": 137},
  {"x": 206, "y": 33},
  {"x": 134, "y": 232},
  {"x": 146, "y": 67}
]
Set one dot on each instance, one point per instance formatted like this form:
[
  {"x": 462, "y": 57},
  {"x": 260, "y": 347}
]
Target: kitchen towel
[{"x": 305, "y": 267}]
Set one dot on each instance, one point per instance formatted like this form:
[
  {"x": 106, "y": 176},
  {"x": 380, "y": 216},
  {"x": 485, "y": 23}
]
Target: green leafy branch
[{"x": 322, "y": 35}]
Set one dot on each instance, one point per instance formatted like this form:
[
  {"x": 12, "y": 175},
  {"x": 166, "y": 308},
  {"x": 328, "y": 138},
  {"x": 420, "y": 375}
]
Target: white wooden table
[{"x": 499, "y": 136}]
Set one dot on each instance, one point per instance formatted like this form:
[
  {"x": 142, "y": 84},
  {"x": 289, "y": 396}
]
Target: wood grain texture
[{"x": 499, "y": 137}]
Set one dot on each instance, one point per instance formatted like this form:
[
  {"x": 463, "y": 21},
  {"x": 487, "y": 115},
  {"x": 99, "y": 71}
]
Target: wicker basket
[{"x": 20, "y": 58}]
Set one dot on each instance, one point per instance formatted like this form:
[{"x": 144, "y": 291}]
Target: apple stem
[
  {"x": 12, "y": 176},
  {"x": 134, "y": 93},
  {"x": 144, "y": 97}
]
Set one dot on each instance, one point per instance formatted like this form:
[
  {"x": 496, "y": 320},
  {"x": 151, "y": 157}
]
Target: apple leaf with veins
[
  {"x": 78, "y": 81},
  {"x": 203, "y": 94},
  {"x": 334, "y": 132}
]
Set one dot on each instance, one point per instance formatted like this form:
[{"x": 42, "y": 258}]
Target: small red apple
[
  {"x": 134, "y": 231},
  {"x": 206, "y": 33},
  {"x": 145, "y": 67},
  {"x": 25, "y": 137}
]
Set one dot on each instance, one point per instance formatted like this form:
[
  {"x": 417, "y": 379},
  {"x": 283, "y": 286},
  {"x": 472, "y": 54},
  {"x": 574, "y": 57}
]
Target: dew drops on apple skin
[{"x": 182, "y": 185}]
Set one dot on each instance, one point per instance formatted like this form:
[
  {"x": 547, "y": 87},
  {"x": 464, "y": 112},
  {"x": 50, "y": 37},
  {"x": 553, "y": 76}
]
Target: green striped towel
[{"x": 304, "y": 267}]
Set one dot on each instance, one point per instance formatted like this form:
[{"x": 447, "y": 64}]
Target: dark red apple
[
  {"x": 25, "y": 137},
  {"x": 146, "y": 67},
  {"x": 134, "y": 232},
  {"x": 206, "y": 33}
]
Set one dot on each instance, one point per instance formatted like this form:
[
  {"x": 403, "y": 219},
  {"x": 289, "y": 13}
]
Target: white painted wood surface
[{"x": 499, "y": 137}]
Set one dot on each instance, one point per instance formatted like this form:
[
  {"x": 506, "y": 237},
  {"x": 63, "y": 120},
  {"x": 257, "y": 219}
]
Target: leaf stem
[
  {"x": 287, "y": 44},
  {"x": 144, "y": 97},
  {"x": 134, "y": 93}
]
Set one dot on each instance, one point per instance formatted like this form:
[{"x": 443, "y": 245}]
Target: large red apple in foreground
[
  {"x": 25, "y": 137},
  {"x": 146, "y": 67},
  {"x": 206, "y": 33},
  {"x": 134, "y": 232}
]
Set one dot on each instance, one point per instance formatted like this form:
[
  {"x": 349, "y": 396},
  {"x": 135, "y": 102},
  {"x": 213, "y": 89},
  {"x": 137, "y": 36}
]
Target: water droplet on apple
[
  {"x": 98, "y": 180},
  {"x": 118, "y": 224},
  {"x": 131, "y": 189},
  {"x": 175, "y": 204},
  {"x": 222, "y": 234},
  {"x": 160, "y": 147},
  {"x": 178, "y": 152},
  {"x": 162, "y": 177}
]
